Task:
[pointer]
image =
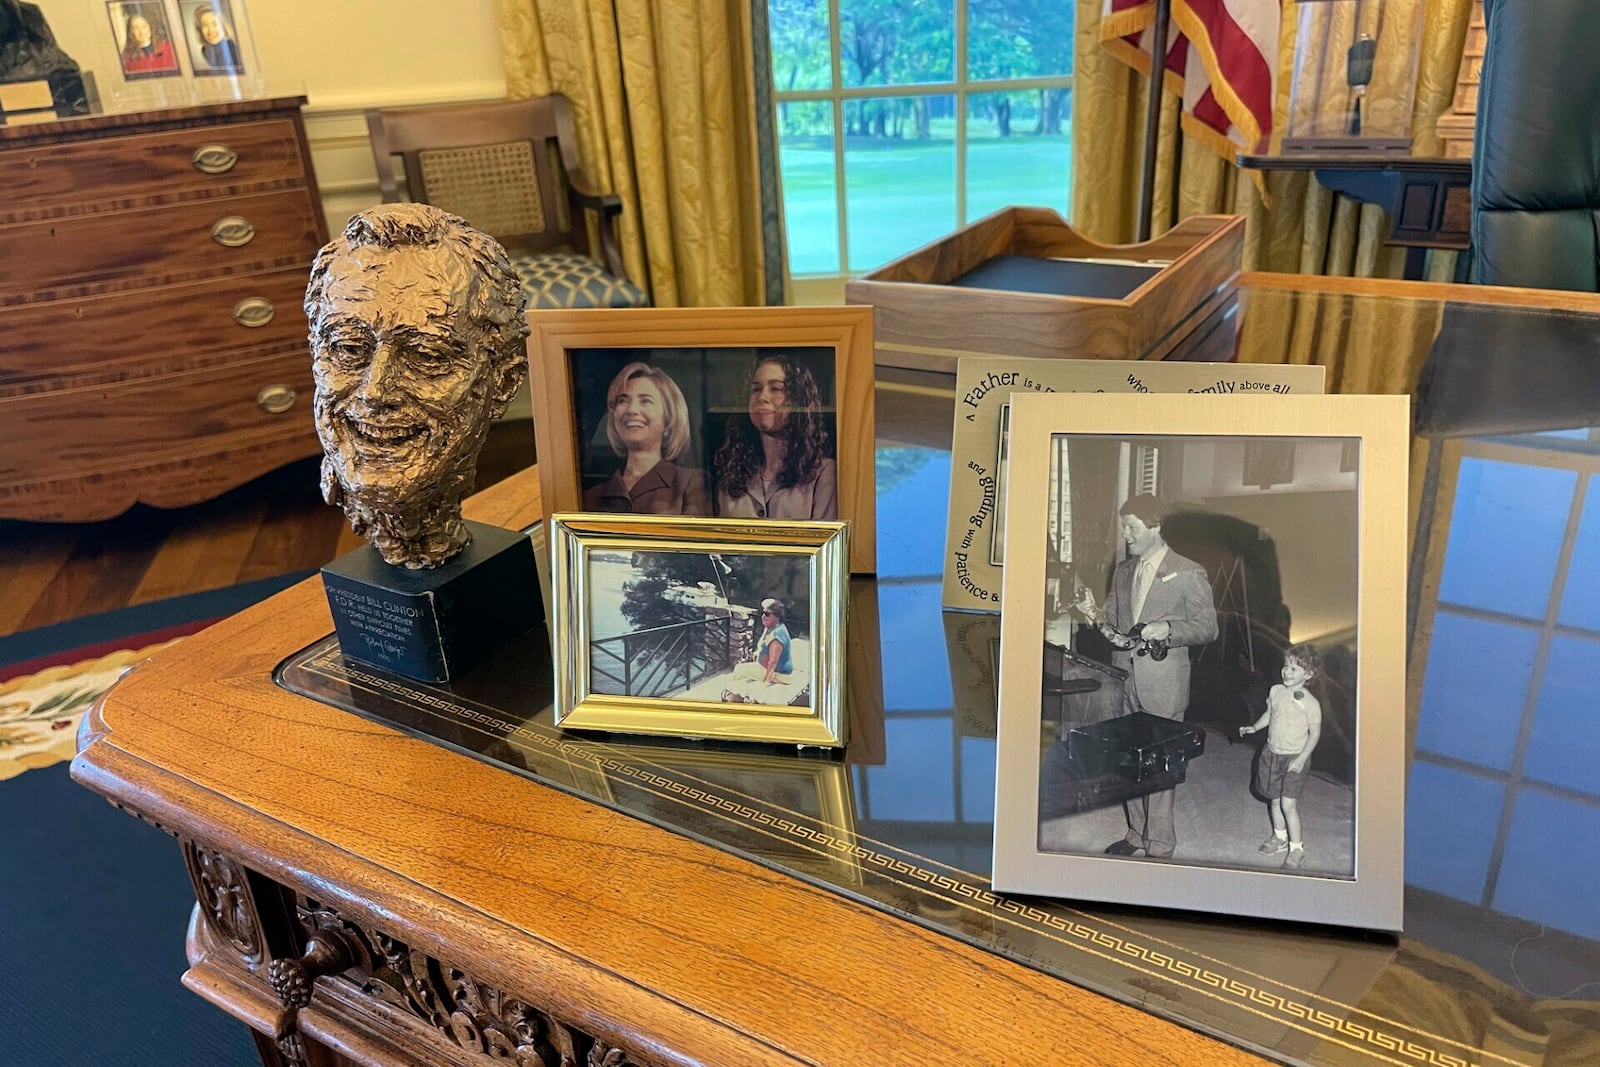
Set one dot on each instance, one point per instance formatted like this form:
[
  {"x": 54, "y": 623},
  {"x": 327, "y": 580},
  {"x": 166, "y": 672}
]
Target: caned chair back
[{"x": 498, "y": 165}]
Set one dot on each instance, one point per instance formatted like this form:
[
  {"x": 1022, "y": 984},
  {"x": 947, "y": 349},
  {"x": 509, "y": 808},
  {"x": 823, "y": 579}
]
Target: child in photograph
[
  {"x": 146, "y": 47},
  {"x": 217, "y": 47},
  {"x": 1293, "y": 721}
]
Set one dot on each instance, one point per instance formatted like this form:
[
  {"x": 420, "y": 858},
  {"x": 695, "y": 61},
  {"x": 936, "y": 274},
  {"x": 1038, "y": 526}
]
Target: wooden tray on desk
[{"x": 929, "y": 314}]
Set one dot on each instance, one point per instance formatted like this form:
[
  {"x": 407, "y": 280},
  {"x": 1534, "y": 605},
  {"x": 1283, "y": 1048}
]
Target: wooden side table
[{"x": 1429, "y": 199}]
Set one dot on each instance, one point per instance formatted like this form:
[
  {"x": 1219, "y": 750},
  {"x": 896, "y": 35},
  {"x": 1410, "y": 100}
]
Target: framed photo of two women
[{"x": 756, "y": 413}]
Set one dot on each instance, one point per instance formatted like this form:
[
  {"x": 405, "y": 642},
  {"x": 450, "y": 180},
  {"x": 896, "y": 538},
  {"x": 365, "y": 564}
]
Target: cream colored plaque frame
[
  {"x": 984, "y": 386},
  {"x": 1373, "y": 897},
  {"x": 824, "y": 545}
]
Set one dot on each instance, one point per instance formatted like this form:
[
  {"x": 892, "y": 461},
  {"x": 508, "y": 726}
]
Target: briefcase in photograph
[{"x": 1139, "y": 747}]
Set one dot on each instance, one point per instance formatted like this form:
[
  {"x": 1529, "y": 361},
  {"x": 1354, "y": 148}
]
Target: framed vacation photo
[
  {"x": 1202, "y": 683},
  {"x": 743, "y": 413},
  {"x": 211, "y": 33},
  {"x": 146, "y": 46},
  {"x": 729, "y": 629},
  {"x": 975, "y": 531}
]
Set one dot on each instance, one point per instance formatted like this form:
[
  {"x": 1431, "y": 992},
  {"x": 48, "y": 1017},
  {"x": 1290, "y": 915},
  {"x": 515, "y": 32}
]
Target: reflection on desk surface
[{"x": 1500, "y": 960}]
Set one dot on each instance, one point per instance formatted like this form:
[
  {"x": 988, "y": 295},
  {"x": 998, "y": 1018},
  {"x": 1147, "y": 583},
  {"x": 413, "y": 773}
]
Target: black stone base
[
  {"x": 434, "y": 625},
  {"x": 72, "y": 93}
]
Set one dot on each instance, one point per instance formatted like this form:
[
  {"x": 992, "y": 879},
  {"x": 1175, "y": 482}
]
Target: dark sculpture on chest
[{"x": 28, "y": 52}]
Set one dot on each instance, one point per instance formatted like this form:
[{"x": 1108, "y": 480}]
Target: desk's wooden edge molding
[
  {"x": 634, "y": 1026},
  {"x": 1446, "y": 292}
]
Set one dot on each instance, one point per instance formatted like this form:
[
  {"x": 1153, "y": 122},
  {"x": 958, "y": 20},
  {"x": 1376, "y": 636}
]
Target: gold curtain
[
  {"x": 1307, "y": 230},
  {"x": 663, "y": 100}
]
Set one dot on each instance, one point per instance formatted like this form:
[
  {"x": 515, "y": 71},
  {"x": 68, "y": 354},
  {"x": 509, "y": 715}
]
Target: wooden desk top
[{"x": 672, "y": 950}]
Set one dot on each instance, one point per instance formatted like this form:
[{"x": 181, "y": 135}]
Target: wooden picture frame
[
  {"x": 707, "y": 628},
  {"x": 573, "y": 356},
  {"x": 1123, "y": 772}
]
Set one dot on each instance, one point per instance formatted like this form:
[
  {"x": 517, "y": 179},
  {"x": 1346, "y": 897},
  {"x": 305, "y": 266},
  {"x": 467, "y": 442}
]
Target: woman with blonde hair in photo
[{"x": 647, "y": 423}]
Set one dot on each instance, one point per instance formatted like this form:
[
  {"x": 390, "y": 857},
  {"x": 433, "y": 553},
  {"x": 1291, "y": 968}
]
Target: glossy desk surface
[{"x": 776, "y": 907}]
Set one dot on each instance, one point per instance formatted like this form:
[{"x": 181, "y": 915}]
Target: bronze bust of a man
[{"x": 417, "y": 339}]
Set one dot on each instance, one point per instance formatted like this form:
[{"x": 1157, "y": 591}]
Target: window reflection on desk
[
  {"x": 936, "y": 775},
  {"x": 1502, "y": 793}
]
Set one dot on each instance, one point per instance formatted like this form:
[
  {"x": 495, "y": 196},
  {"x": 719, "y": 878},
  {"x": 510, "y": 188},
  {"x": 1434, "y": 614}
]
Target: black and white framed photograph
[
  {"x": 690, "y": 627},
  {"x": 741, "y": 413},
  {"x": 1202, "y": 684}
]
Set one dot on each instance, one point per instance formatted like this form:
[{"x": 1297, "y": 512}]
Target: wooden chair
[{"x": 496, "y": 165}]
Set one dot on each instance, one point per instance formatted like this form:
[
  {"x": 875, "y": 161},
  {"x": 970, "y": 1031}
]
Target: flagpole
[{"x": 1152, "y": 117}]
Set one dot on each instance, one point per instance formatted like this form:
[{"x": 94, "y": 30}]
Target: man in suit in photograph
[{"x": 1169, "y": 597}]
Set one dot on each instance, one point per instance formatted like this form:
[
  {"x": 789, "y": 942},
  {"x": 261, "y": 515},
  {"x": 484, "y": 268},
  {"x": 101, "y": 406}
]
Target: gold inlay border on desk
[{"x": 1385, "y": 1041}]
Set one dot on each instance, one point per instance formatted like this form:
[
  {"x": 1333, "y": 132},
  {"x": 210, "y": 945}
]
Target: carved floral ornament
[
  {"x": 219, "y": 886},
  {"x": 477, "y": 1016}
]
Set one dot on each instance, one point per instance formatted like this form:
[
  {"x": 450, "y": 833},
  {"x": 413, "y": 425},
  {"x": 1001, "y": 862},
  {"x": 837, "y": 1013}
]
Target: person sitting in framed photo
[
  {"x": 773, "y": 663},
  {"x": 647, "y": 424},
  {"x": 773, "y": 462}
]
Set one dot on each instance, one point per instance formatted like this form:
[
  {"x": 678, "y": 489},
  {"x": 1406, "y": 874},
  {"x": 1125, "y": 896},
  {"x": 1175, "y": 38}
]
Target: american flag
[{"x": 1222, "y": 58}]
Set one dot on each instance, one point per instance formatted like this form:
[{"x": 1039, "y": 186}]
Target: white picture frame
[{"x": 1338, "y": 541}]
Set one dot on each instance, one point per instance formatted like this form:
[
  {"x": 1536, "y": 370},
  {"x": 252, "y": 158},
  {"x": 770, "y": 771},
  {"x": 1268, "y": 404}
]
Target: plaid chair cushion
[{"x": 570, "y": 280}]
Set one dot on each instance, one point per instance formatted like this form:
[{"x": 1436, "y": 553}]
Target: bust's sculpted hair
[{"x": 494, "y": 302}]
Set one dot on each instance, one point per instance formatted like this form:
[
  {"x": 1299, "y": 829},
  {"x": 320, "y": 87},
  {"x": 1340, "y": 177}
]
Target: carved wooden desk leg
[{"x": 241, "y": 922}]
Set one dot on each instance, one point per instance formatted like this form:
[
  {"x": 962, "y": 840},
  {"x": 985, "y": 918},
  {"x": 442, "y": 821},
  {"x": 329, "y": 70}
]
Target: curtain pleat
[{"x": 663, "y": 101}]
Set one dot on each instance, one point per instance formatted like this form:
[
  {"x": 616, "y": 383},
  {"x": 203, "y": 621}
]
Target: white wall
[{"x": 344, "y": 56}]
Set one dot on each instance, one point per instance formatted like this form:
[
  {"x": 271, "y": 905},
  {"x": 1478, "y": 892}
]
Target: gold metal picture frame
[
  {"x": 703, "y": 628},
  {"x": 707, "y": 361},
  {"x": 1202, "y": 691}
]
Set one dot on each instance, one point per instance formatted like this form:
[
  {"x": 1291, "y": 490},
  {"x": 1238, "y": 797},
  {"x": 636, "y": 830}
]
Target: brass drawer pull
[
  {"x": 233, "y": 231},
  {"x": 214, "y": 159},
  {"x": 276, "y": 399},
  {"x": 253, "y": 311}
]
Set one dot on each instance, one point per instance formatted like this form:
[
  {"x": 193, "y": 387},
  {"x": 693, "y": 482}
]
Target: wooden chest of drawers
[{"x": 152, "y": 343}]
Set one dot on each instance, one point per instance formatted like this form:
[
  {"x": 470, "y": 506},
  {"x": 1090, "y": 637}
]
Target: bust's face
[{"x": 402, "y": 380}]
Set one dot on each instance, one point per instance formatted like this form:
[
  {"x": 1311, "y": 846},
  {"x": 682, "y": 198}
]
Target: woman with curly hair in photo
[{"x": 773, "y": 462}]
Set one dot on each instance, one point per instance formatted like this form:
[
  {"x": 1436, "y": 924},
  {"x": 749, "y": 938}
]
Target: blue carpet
[{"x": 94, "y": 903}]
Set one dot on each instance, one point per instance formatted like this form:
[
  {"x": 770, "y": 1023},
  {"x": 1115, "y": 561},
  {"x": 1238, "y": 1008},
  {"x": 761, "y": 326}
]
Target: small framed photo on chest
[
  {"x": 1202, "y": 696},
  {"x": 763, "y": 414}
]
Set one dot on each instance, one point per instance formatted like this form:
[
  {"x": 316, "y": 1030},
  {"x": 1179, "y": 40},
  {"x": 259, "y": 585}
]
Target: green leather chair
[{"x": 1536, "y": 154}]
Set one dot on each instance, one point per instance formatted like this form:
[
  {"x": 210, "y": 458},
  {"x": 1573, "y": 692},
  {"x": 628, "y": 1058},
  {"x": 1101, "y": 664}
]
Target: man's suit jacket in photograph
[{"x": 1180, "y": 596}]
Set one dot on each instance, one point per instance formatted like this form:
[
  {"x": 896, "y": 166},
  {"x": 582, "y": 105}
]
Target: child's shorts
[{"x": 1273, "y": 779}]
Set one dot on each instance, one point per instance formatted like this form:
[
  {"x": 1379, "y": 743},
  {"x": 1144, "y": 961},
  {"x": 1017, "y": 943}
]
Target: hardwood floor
[{"x": 50, "y": 572}]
